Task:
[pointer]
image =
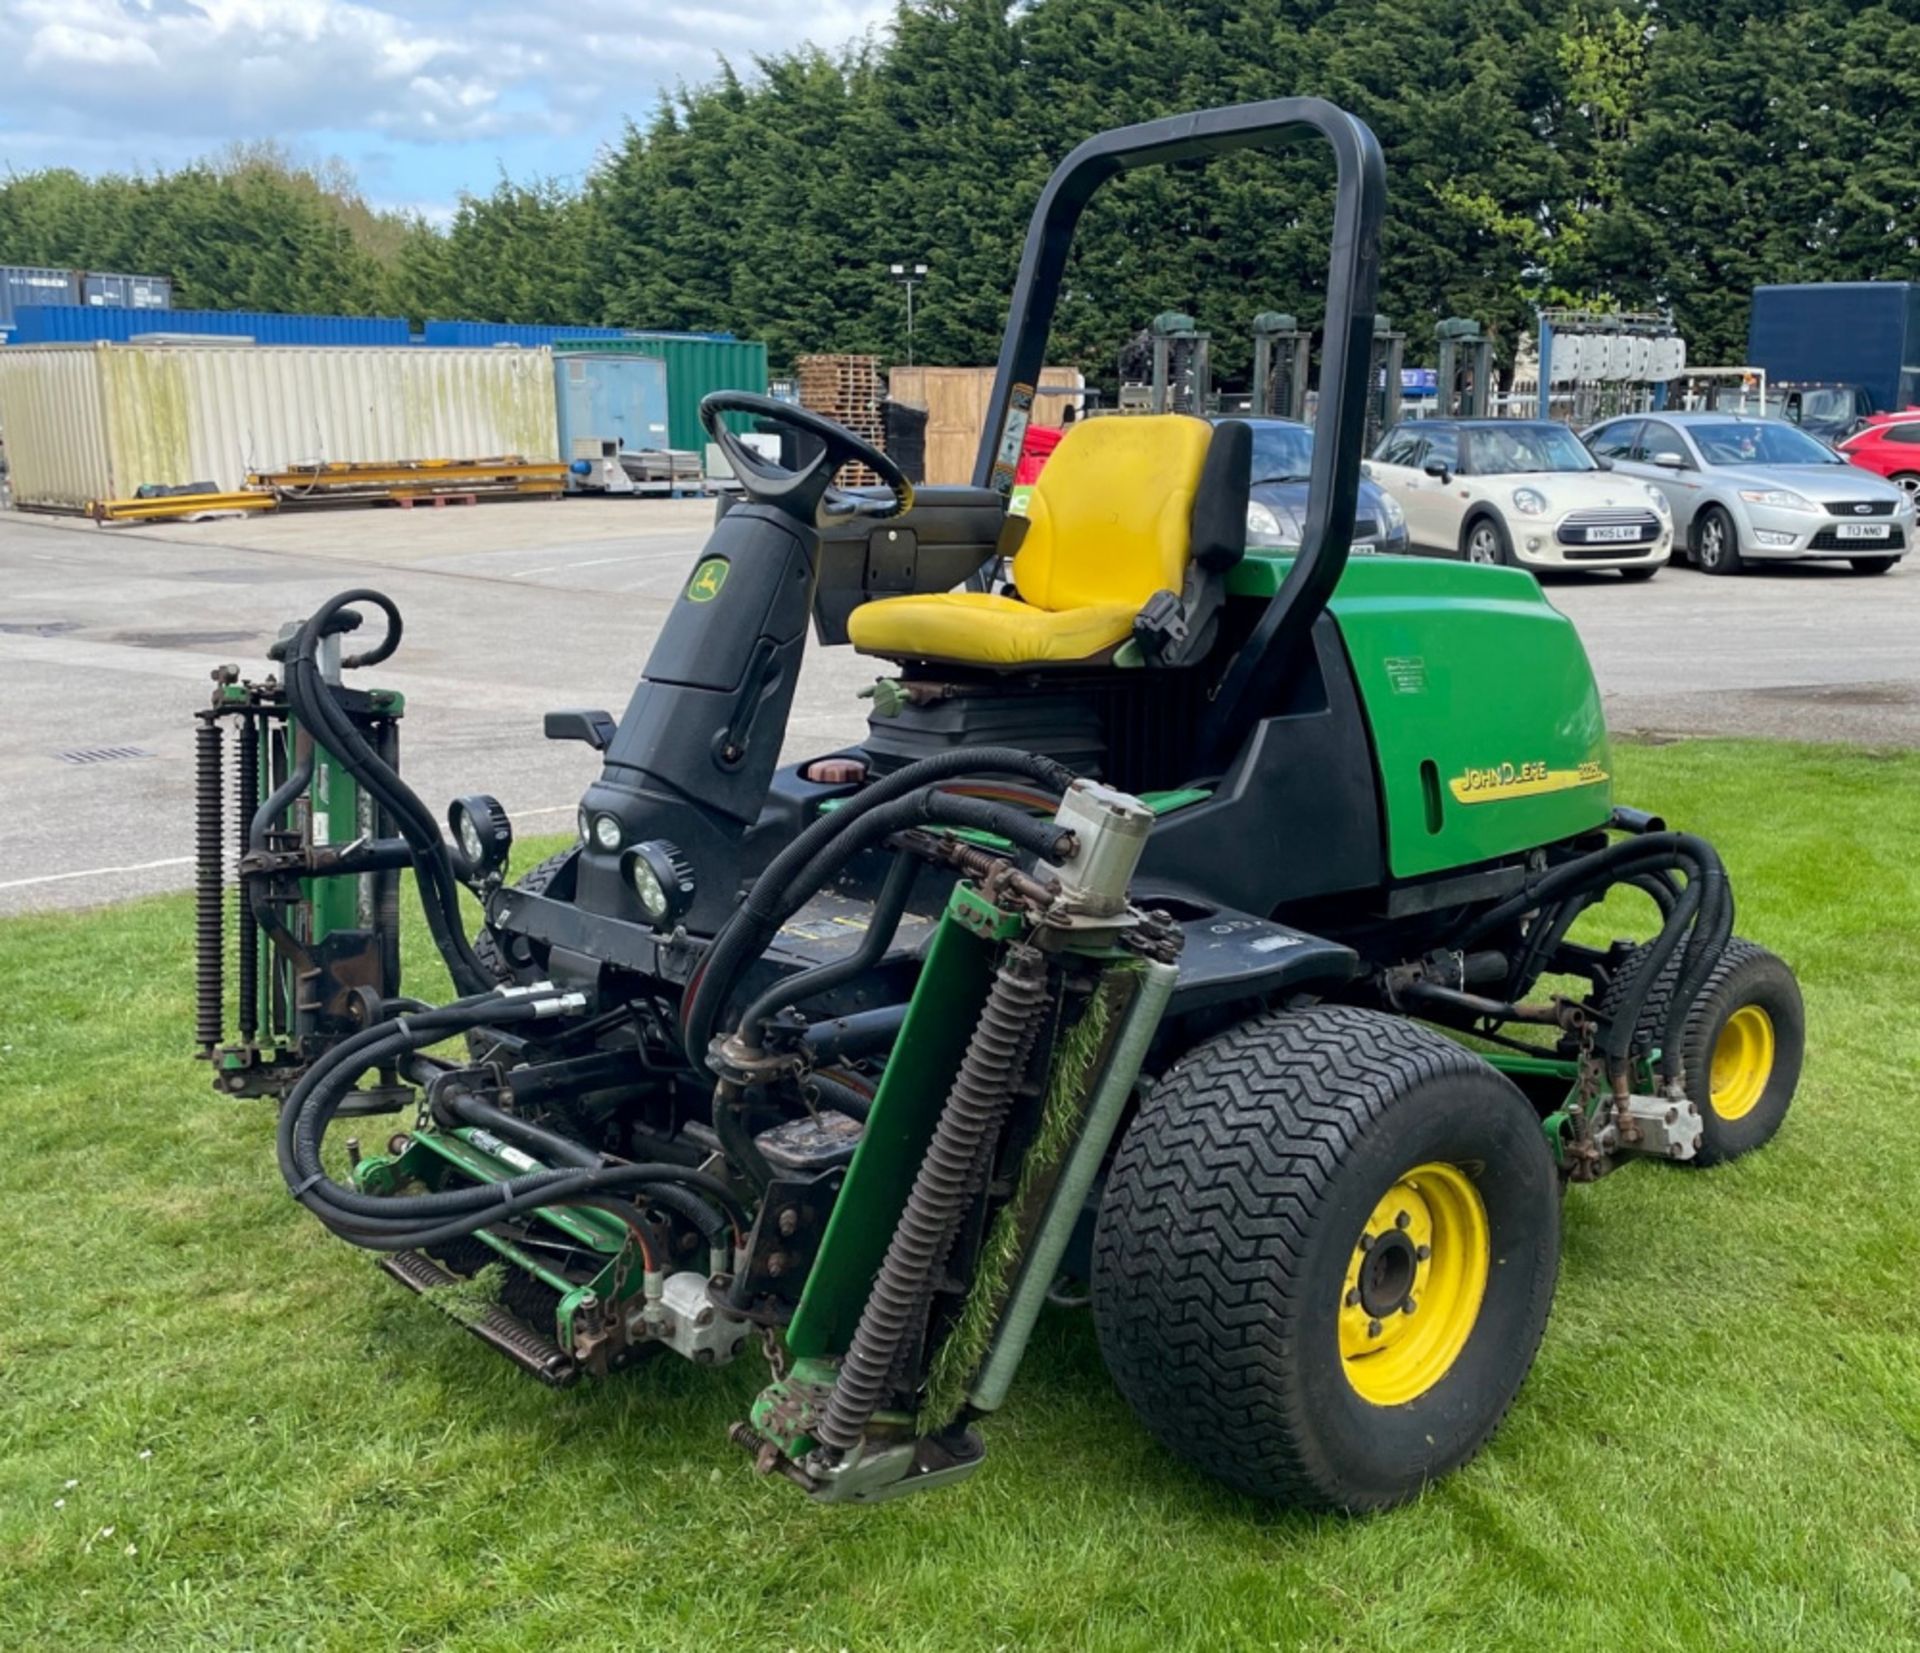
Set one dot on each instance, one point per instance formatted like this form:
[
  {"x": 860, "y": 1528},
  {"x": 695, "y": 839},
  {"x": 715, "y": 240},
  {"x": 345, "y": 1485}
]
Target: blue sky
[{"x": 421, "y": 100}]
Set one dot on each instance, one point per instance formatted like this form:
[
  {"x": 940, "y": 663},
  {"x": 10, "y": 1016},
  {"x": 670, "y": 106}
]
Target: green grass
[{"x": 261, "y": 1443}]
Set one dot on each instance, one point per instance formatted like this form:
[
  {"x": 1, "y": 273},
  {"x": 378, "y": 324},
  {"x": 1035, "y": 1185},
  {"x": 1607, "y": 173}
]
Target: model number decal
[{"x": 1521, "y": 780}]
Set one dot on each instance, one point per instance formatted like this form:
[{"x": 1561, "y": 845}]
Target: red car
[{"x": 1890, "y": 446}]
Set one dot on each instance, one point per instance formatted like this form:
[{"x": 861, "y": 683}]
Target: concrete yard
[{"x": 107, "y": 637}]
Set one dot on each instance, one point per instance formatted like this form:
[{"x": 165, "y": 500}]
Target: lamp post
[{"x": 907, "y": 275}]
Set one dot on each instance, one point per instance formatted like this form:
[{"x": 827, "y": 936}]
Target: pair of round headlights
[{"x": 659, "y": 875}]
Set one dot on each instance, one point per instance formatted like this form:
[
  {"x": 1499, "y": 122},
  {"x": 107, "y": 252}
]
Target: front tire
[
  {"x": 1716, "y": 546},
  {"x": 1741, "y": 1048},
  {"x": 1259, "y": 1289},
  {"x": 1485, "y": 541}
]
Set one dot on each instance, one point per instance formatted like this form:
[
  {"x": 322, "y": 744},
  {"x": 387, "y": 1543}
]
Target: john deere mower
[{"x": 1191, "y": 937}]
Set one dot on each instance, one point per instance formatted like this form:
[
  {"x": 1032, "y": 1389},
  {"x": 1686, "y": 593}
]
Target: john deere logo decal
[
  {"x": 707, "y": 580},
  {"x": 1520, "y": 780}
]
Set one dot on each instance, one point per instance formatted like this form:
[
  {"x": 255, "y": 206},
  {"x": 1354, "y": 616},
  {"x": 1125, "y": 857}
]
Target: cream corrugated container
[{"x": 99, "y": 421}]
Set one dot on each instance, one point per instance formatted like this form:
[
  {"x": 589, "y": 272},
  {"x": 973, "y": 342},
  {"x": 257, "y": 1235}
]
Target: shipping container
[
  {"x": 696, "y": 364},
  {"x": 480, "y": 335},
  {"x": 1864, "y": 333},
  {"x": 132, "y": 292},
  {"x": 609, "y": 398},
  {"x": 94, "y": 323},
  {"x": 24, "y": 284},
  {"x": 98, "y": 421},
  {"x": 473, "y": 335}
]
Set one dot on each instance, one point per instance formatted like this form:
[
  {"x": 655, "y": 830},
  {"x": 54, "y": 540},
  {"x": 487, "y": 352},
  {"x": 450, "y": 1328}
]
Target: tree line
[{"x": 1538, "y": 152}]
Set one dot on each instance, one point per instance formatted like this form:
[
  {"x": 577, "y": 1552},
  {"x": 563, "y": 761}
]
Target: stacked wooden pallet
[{"x": 849, "y": 391}]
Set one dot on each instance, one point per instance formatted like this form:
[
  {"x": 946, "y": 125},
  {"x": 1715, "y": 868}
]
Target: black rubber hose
[
  {"x": 551, "y": 1145},
  {"x": 312, "y": 700},
  {"x": 942, "y": 766},
  {"x": 975, "y": 1107},
  {"x": 839, "y": 1096},
  {"x": 882, "y": 926},
  {"x": 306, "y": 1113},
  {"x": 773, "y": 900},
  {"x": 1613, "y": 864}
]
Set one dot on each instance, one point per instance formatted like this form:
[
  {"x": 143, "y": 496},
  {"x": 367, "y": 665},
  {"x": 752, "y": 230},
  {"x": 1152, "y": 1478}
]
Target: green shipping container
[{"x": 695, "y": 366}]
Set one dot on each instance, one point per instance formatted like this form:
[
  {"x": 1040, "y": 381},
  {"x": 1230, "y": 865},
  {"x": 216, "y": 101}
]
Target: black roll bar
[{"x": 1278, "y": 642}]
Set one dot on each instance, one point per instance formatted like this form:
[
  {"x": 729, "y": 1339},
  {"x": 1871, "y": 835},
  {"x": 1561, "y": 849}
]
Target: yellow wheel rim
[
  {"x": 1414, "y": 1285},
  {"x": 1742, "y": 1062}
]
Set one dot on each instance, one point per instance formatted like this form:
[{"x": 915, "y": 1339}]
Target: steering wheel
[{"x": 808, "y": 493}]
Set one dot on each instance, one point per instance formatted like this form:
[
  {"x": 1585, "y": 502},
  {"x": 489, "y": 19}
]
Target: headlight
[
  {"x": 482, "y": 830},
  {"x": 1529, "y": 502},
  {"x": 661, "y": 879},
  {"x": 1393, "y": 520},
  {"x": 1263, "y": 526},
  {"x": 606, "y": 832},
  {"x": 1659, "y": 501},
  {"x": 1781, "y": 499}
]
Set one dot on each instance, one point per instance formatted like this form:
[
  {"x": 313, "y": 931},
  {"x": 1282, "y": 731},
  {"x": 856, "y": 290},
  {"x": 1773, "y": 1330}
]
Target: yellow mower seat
[{"x": 1109, "y": 525}]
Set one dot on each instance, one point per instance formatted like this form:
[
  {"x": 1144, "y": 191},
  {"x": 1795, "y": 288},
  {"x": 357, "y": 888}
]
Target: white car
[{"x": 1521, "y": 492}]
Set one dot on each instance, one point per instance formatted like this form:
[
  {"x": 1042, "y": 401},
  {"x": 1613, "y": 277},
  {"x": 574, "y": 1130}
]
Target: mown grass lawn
[{"x": 221, "y": 1428}]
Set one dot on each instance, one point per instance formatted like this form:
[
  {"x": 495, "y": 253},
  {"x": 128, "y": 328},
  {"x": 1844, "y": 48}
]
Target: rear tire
[
  {"x": 1873, "y": 565},
  {"x": 1229, "y": 1271},
  {"x": 1485, "y": 541},
  {"x": 1742, "y": 1069},
  {"x": 1716, "y": 546}
]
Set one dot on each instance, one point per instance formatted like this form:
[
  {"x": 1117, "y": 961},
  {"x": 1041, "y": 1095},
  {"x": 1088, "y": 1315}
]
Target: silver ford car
[{"x": 1747, "y": 490}]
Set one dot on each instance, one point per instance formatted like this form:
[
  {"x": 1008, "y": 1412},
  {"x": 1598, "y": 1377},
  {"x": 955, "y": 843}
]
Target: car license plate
[
  {"x": 1620, "y": 531},
  {"x": 1861, "y": 531}
]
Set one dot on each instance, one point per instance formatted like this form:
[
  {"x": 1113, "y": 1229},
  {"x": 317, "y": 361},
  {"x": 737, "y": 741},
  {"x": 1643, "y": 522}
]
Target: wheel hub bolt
[
  {"x": 1423, "y": 1252},
  {"x": 1402, "y": 1220},
  {"x": 1353, "y": 1298},
  {"x": 1366, "y": 1242},
  {"x": 1409, "y": 1306},
  {"x": 1373, "y": 1328}
]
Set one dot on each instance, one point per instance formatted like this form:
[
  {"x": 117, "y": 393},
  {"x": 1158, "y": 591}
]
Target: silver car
[{"x": 1747, "y": 490}]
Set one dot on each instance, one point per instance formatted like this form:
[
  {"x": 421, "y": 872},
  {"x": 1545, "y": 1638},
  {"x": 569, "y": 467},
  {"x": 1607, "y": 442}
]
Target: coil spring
[
  {"x": 209, "y": 927},
  {"x": 246, "y": 799},
  {"x": 975, "y": 1106}
]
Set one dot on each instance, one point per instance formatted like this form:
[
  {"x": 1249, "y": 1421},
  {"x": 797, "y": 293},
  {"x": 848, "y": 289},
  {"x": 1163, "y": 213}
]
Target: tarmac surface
[{"x": 108, "y": 637}]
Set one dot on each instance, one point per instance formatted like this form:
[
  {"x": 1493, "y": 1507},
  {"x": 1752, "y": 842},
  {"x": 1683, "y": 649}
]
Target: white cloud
[{"x": 161, "y": 79}]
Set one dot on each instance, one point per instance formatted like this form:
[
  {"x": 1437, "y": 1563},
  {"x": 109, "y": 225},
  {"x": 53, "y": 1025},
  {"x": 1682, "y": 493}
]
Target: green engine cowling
[{"x": 1487, "y": 727}]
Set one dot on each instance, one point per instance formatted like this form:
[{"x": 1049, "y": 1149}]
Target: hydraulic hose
[
  {"x": 313, "y": 702},
  {"x": 551, "y": 1145},
  {"x": 401, "y": 1222},
  {"x": 816, "y": 854},
  {"x": 888, "y": 909}
]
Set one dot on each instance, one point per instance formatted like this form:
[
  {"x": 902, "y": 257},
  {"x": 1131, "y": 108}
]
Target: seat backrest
[{"x": 1111, "y": 516}]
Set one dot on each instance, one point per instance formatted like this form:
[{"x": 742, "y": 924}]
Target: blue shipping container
[
  {"x": 1863, "y": 333},
  {"x": 24, "y": 284},
  {"x": 483, "y": 335},
  {"x": 135, "y": 292},
  {"x": 610, "y": 399},
  {"x": 91, "y": 323}
]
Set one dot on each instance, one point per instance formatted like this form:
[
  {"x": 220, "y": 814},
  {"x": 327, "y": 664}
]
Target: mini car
[{"x": 1525, "y": 493}]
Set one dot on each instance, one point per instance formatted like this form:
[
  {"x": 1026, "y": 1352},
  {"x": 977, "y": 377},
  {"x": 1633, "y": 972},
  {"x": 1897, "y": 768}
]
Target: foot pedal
[{"x": 496, "y": 1328}]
